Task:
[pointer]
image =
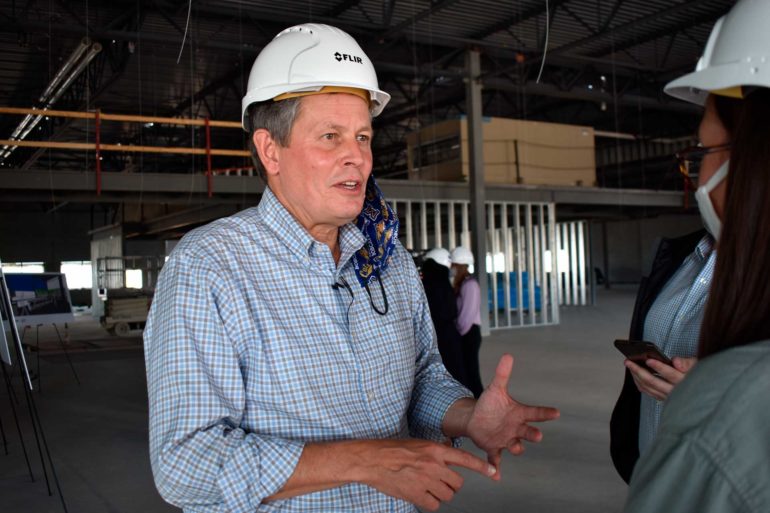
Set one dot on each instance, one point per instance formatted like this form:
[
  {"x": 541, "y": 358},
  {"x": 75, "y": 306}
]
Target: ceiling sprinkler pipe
[
  {"x": 76, "y": 54},
  {"x": 74, "y": 65},
  {"x": 64, "y": 70},
  {"x": 92, "y": 52},
  {"x": 21, "y": 126},
  {"x": 95, "y": 49}
]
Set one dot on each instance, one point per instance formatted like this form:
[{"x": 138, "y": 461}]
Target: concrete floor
[{"x": 97, "y": 432}]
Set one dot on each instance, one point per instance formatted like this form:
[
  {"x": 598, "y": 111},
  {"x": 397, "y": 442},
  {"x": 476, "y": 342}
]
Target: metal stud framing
[
  {"x": 572, "y": 263},
  {"x": 523, "y": 240}
]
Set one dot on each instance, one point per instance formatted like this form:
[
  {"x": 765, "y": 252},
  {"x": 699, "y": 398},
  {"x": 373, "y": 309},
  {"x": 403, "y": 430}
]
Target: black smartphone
[{"x": 639, "y": 351}]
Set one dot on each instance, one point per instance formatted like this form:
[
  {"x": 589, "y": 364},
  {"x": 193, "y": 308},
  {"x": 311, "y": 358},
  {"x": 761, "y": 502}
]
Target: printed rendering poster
[{"x": 41, "y": 298}]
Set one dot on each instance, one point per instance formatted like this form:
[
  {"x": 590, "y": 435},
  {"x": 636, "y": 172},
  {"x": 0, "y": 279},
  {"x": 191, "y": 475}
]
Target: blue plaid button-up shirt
[
  {"x": 673, "y": 323},
  {"x": 251, "y": 354}
]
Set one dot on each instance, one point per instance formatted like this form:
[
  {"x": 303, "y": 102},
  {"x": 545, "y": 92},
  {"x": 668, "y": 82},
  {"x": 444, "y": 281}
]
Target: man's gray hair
[{"x": 275, "y": 117}]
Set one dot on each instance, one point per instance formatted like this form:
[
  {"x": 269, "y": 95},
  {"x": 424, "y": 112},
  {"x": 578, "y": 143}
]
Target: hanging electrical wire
[
  {"x": 545, "y": 46},
  {"x": 186, "y": 26}
]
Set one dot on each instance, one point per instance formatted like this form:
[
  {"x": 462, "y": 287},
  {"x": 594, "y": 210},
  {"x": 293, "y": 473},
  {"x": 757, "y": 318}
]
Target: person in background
[
  {"x": 712, "y": 451},
  {"x": 468, "y": 295},
  {"x": 291, "y": 358},
  {"x": 443, "y": 310}
]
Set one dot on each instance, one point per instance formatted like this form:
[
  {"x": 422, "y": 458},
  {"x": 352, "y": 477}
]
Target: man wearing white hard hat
[
  {"x": 291, "y": 359},
  {"x": 711, "y": 452}
]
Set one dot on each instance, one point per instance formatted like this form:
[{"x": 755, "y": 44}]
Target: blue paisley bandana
[{"x": 379, "y": 224}]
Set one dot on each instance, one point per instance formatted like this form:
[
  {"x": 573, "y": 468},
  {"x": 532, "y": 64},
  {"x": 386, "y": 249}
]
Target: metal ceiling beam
[
  {"x": 497, "y": 49},
  {"x": 596, "y": 96},
  {"x": 162, "y": 11},
  {"x": 592, "y": 30},
  {"x": 703, "y": 17},
  {"x": 633, "y": 25},
  {"x": 212, "y": 87},
  {"x": 437, "y": 6},
  {"x": 387, "y": 11},
  {"x": 410, "y": 109},
  {"x": 532, "y": 88},
  {"x": 516, "y": 19},
  {"x": 611, "y": 15},
  {"x": 340, "y": 8},
  {"x": 407, "y": 110},
  {"x": 18, "y": 25}
]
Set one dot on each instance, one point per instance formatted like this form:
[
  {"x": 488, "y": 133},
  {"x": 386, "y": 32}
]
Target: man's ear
[{"x": 267, "y": 150}]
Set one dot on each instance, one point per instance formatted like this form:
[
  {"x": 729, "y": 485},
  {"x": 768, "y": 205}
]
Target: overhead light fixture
[{"x": 70, "y": 70}]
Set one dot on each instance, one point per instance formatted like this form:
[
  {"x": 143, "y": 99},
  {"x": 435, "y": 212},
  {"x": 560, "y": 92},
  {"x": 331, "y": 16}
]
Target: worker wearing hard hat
[
  {"x": 711, "y": 453},
  {"x": 291, "y": 359},
  {"x": 443, "y": 310},
  {"x": 468, "y": 297}
]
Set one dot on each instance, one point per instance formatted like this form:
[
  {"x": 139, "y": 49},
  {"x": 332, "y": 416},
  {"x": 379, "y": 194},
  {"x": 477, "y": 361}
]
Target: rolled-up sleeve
[
  {"x": 435, "y": 391},
  {"x": 200, "y": 454}
]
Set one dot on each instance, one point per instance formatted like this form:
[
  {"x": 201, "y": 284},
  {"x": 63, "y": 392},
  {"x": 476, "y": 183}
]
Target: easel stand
[
  {"x": 37, "y": 347},
  {"x": 37, "y": 425},
  {"x": 12, "y": 399},
  {"x": 5, "y": 440}
]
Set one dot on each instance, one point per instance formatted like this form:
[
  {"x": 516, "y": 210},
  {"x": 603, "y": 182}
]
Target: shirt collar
[
  {"x": 286, "y": 228},
  {"x": 705, "y": 247}
]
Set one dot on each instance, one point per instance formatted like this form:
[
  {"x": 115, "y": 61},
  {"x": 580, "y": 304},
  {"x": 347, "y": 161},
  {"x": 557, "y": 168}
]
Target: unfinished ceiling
[{"x": 606, "y": 64}]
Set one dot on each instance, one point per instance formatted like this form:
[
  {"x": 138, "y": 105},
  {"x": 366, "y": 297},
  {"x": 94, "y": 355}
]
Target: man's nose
[{"x": 354, "y": 152}]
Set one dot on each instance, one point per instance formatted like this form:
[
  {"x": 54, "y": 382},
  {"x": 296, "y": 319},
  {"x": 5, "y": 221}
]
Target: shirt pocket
[{"x": 387, "y": 345}]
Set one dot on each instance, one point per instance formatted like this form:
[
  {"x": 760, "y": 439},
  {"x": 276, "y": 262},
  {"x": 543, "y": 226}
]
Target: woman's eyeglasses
[{"x": 689, "y": 160}]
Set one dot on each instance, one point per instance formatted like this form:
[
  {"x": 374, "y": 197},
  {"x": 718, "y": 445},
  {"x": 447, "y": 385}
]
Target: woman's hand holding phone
[{"x": 661, "y": 381}]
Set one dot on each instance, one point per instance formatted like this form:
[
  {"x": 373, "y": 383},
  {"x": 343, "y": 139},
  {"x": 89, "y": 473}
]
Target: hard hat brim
[
  {"x": 696, "y": 86},
  {"x": 379, "y": 99}
]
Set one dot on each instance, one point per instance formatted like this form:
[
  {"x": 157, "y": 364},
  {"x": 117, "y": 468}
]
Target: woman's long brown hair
[{"x": 738, "y": 310}]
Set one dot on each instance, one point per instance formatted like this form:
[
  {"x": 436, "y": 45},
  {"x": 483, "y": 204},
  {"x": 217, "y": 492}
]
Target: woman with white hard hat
[
  {"x": 443, "y": 310},
  {"x": 468, "y": 295},
  {"x": 672, "y": 298},
  {"x": 712, "y": 450}
]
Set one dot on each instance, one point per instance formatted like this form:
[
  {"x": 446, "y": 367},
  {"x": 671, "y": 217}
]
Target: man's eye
[
  {"x": 364, "y": 138},
  {"x": 329, "y": 136}
]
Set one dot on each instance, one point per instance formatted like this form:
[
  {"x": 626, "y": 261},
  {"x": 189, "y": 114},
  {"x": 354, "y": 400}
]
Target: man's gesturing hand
[
  {"x": 498, "y": 422},
  {"x": 418, "y": 471}
]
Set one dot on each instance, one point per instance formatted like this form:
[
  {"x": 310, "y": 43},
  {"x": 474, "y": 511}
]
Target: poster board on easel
[
  {"x": 7, "y": 311},
  {"x": 9, "y": 323},
  {"x": 39, "y": 298}
]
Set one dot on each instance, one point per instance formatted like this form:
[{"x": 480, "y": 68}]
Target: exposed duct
[{"x": 70, "y": 70}]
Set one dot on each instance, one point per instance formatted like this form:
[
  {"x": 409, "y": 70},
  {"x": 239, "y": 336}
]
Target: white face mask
[{"x": 710, "y": 218}]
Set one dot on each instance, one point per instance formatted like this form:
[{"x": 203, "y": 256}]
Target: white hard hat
[
  {"x": 737, "y": 55},
  {"x": 462, "y": 255},
  {"x": 440, "y": 256},
  {"x": 307, "y": 58}
]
